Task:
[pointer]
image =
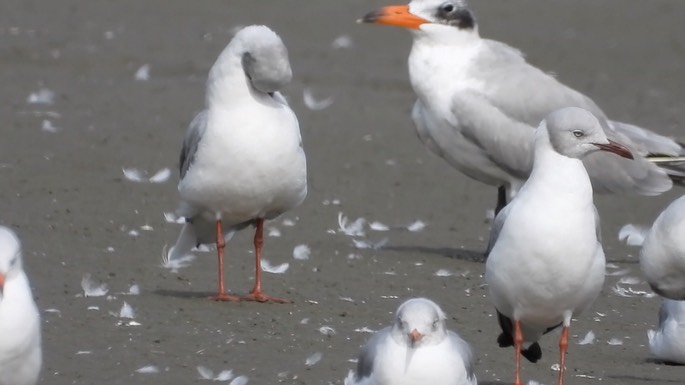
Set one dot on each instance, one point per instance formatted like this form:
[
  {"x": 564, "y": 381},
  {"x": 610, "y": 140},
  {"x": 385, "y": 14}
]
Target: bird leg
[
  {"x": 256, "y": 294},
  {"x": 518, "y": 346},
  {"x": 563, "y": 346},
  {"x": 501, "y": 199},
  {"x": 220, "y": 245}
]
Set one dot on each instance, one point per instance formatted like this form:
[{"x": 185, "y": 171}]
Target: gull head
[
  {"x": 10, "y": 256},
  {"x": 430, "y": 17},
  {"x": 419, "y": 322},
  {"x": 575, "y": 132},
  {"x": 262, "y": 55}
]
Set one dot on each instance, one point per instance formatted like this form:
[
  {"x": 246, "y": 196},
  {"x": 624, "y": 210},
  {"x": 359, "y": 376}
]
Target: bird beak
[
  {"x": 415, "y": 336},
  {"x": 397, "y": 15},
  {"x": 616, "y": 148},
  {"x": 2, "y": 283}
]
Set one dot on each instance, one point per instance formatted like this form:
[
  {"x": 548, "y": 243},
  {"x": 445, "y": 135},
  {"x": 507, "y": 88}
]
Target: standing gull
[
  {"x": 662, "y": 258},
  {"x": 545, "y": 260},
  {"x": 416, "y": 350},
  {"x": 667, "y": 343},
  {"x": 479, "y": 102},
  {"x": 20, "y": 348},
  {"x": 242, "y": 159}
]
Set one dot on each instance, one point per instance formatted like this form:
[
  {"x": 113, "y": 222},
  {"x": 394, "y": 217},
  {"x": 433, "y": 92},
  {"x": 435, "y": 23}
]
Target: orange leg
[
  {"x": 220, "y": 245},
  {"x": 256, "y": 294},
  {"x": 518, "y": 346},
  {"x": 563, "y": 346}
]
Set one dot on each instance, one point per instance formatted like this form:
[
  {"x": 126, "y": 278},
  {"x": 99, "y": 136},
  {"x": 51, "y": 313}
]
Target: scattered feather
[
  {"x": 489, "y": 215},
  {"x": 629, "y": 292},
  {"x": 378, "y": 226},
  {"x": 327, "y": 330},
  {"x": 615, "y": 341},
  {"x": 92, "y": 289},
  {"x": 629, "y": 280},
  {"x": 150, "y": 369},
  {"x": 127, "y": 311},
  {"x": 273, "y": 232},
  {"x": 173, "y": 218},
  {"x": 93, "y": 307},
  {"x": 633, "y": 235},
  {"x": 312, "y": 103},
  {"x": 133, "y": 174},
  {"x": 207, "y": 374},
  {"x": 618, "y": 272},
  {"x": 443, "y": 273},
  {"x": 342, "y": 41},
  {"x": 555, "y": 367},
  {"x": 42, "y": 96},
  {"x": 146, "y": 228},
  {"x": 588, "y": 339},
  {"x": 288, "y": 222},
  {"x": 416, "y": 226},
  {"x": 48, "y": 127},
  {"x": 365, "y": 244},
  {"x": 533, "y": 382},
  {"x": 353, "y": 256},
  {"x": 240, "y": 380},
  {"x": 161, "y": 176},
  {"x": 364, "y": 330},
  {"x": 52, "y": 310},
  {"x": 301, "y": 252},
  {"x": 143, "y": 73},
  {"x": 278, "y": 269},
  {"x": 352, "y": 229},
  {"x": 133, "y": 233},
  {"x": 176, "y": 264},
  {"x": 313, "y": 359},
  {"x": 346, "y": 299},
  {"x": 81, "y": 352},
  {"x": 134, "y": 289}
]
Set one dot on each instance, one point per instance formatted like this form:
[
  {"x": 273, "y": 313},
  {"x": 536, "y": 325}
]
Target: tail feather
[{"x": 187, "y": 239}]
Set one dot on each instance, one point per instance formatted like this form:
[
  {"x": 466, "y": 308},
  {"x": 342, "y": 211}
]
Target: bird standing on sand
[
  {"x": 545, "y": 260},
  {"x": 242, "y": 159},
  {"x": 416, "y": 350},
  {"x": 479, "y": 103},
  {"x": 667, "y": 343},
  {"x": 20, "y": 346}
]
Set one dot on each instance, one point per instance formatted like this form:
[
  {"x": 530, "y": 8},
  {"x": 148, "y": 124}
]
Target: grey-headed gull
[
  {"x": 479, "y": 103},
  {"x": 667, "y": 343},
  {"x": 242, "y": 159},
  {"x": 20, "y": 346},
  {"x": 416, "y": 350},
  {"x": 545, "y": 260},
  {"x": 662, "y": 258}
]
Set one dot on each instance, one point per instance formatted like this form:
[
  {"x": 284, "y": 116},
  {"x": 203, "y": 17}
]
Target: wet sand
[{"x": 66, "y": 195}]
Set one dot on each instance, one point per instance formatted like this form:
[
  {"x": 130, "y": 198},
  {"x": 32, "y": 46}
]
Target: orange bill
[{"x": 397, "y": 15}]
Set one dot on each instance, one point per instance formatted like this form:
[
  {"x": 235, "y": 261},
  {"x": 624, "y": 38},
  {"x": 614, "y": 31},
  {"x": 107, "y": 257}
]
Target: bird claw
[
  {"x": 261, "y": 297},
  {"x": 224, "y": 297}
]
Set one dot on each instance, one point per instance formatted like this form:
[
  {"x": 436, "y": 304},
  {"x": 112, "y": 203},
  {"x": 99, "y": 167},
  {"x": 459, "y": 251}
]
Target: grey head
[
  {"x": 10, "y": 256},
  {"x": 425, "y": 15},
  {"x": 264, "y": 58},
  {"x": 575, "y": 132},
  {"x": 419, "y": 322}
]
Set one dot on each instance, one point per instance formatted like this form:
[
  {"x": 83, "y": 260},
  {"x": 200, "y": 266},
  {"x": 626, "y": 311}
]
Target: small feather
[
  {"x": 633, "y": 235},
  {"x": 150, "y": 369},
  {"x": 278, "y": 269},
  {"x": 161, "y": 176},
  {"x": 313, "y": 359},
  {"x": 301, "y": 252},
  {"x": 92, "y": 289}
]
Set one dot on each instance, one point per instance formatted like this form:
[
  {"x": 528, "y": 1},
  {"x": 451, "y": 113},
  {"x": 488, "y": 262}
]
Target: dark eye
[
  {"x": 447, "y": 8},
  {"x": 578, "y": 133},
  {"x": 435, "y": 324}
]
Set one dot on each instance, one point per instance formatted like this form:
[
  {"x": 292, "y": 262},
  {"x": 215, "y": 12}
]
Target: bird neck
[{"x": 227, "y": 80}]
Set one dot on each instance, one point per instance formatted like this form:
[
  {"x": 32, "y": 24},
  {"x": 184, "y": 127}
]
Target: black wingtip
[
  {"x": 371, "y": 17},
  {"x": 533, "y": 353}
]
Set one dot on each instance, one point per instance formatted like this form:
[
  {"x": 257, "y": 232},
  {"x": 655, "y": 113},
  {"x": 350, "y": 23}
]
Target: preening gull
[{"x": 242, "y": 159}]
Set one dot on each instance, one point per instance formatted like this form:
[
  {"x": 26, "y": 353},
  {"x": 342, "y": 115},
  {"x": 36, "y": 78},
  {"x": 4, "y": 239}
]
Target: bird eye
[
  {"x": 447, "y": 8},
  {"x": 435, "y": 324},
  {"x": 578, "y": 133}
]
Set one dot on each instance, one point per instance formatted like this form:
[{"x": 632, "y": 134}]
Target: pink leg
[
  {"x": 220, "y": 245},
  {"x": 256, "y": 294},
  {"x": 518, "y": 345},
  {"x": 563, "y": 346}
]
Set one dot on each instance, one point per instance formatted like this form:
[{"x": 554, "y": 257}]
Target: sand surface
[{"x": 66, "y": 195}]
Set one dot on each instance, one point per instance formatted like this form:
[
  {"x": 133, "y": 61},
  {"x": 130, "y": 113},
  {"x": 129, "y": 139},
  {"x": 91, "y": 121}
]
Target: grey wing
[
  {"x": 466, "y": 353},
  {"x": 194, "y": 134},
  {"x": 506, "y": 142},
  {"x": 496, "y": 228},
  {"x": 367, "y": 355},
  {"x": 646, "y": 141}
]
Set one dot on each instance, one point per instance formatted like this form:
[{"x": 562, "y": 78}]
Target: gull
[
  {"x": 416, "y": 350},
  {"x": 479, "y": 103},
  {"x": 662, "y": 258},
  {"x": 242, "y": 159},
  {"x": 545, "y": 260},
  {"x": 668, "y": 342},
  {"x": 20, "y": 347}
]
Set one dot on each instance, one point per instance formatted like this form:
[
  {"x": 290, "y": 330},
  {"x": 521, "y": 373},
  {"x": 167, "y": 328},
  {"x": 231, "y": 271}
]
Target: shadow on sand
[{"x": 461, "y": 254}]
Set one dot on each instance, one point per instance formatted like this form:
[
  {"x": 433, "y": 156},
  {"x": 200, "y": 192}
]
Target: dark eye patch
[{"x": 460, "y": 17}]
